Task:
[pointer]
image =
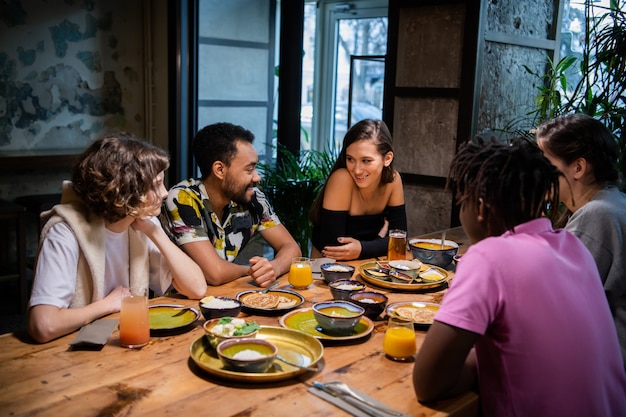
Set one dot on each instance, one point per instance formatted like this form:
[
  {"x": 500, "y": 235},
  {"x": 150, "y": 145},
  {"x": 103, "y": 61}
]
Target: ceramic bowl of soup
[
  {"x": 247, "y": 355},
  {"x": 337, "y": 317},
  {"x": 430, "y": 251}
]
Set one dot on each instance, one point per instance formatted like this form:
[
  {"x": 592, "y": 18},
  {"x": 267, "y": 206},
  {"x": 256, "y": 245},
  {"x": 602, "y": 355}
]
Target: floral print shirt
[{"x": 190, "y": 218}]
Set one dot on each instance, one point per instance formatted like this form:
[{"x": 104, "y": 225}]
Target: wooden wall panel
[
  {"x": 428, "y": 209},
  {"x": 428, "y": 98},
  {"x": 423, "y": 34},
  {"x": 426, "y": 130}
]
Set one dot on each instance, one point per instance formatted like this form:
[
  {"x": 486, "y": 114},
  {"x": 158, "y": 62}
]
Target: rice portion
[
  {"x": 348, "y": 287},
  {"x": 337, "y": 268},
  {"x": 219, "y": 303}
]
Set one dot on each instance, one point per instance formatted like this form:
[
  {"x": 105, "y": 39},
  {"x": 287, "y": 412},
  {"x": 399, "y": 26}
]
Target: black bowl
[
  {"x": 218, "y": 307},
  {"x": 373, "y": 302},
  {"x": 342, "y": 288},
  {"x": 334, "y": 271}
]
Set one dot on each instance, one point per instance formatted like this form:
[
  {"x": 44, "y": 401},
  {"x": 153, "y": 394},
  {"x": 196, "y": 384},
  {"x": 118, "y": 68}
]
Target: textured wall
[
  {"x": 507, "y": 91},
  {"x": 69, "y": 71},
  {"x": 428, "y": 209},
  {"x": 430, "y": 55},
  {"x": 425, "y": 134},
  {"x": 428, "y": 31}
]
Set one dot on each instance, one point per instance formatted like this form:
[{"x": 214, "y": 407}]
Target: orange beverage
[
  {"x": 397, "y": 245},
  {"x": 300, "y": 273},
  {"x": 399, "y": 342},
  {"x": 134, "y": 321}
]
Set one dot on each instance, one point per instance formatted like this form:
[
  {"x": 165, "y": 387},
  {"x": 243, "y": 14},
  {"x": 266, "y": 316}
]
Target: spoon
[
  {"x": 280, "y": 358},
  {"x": 443, "y": 238},
  {"x": 274, "y": 284}
]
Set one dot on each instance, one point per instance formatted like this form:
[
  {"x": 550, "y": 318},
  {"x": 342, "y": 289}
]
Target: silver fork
[{"x": 345, "y": 391}]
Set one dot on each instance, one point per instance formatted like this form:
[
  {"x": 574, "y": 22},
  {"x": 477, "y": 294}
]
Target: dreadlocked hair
[{"x": 515, "y": 183}]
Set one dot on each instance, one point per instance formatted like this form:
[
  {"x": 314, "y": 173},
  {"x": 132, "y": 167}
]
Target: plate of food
[
  {"x": 385, "y": 276},
  {"x": 304, "y": 321},
  {"x": 420, "y": 313},
  {"x": 169, "y": 317},
  {"x": 294, "y": 346},
  {"x": 271, "y": 303}
]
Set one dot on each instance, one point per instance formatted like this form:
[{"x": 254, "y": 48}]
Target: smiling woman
[{"x": 362, "y": 198}]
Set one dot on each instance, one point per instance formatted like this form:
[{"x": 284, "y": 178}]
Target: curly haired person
[{"x": 103, "y": 239}]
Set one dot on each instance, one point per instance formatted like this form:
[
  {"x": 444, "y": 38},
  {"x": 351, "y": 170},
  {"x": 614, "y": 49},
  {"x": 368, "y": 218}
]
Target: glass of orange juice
[
  {"x": 300, "y": 273},
  {"x": 134, "y": 319},
  {"x": 399, "y": 342}
]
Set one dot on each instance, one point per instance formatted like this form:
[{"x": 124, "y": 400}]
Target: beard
[{"x": 237, "y": 193}]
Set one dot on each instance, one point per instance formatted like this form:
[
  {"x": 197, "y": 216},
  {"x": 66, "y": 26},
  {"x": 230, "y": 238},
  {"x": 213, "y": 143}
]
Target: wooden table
[{"x": 161, "y": 379}]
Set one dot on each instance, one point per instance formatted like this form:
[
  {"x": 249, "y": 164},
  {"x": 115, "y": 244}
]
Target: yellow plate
[
  {"x": 171, "y": 316},
  {"x": 297, "y": 299},
  {"x": 417, "y": 305},
  {"x": 385, "y": 282},
  {"x": 304, "y": 320},
  {"x": 294, "y": 346}
]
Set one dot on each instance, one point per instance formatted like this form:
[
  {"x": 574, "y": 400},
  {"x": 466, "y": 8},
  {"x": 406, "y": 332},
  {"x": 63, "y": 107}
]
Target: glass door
[{"x": 348, "y": 69}]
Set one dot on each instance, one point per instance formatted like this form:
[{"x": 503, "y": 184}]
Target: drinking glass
[
  {"x": 300, "y": 273},
  {"x": 399, "y": 343},
  {"x": 134, "y": 319},
  {"x": 397, "y": 245}
]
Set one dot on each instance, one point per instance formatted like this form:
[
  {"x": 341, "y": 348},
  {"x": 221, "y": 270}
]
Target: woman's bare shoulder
[
  {"x": 338, "y": 193},
  {"x": 396, "y": 195},
  {"x": 339, "y": 178}
]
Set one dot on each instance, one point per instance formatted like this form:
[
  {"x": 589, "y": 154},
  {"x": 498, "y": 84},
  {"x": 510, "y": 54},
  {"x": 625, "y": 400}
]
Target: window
[
  {"x": 235, "y": 66},
  {"x": 343, "y": 68}
]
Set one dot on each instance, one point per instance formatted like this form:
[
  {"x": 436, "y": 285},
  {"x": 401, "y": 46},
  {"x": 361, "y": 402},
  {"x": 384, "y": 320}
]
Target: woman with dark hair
[
  {"x": 362, "y": 198},
  {"x": 525, "y": 320},
  {"x": 584, "y": 150},
  {"x": 104, "y": 238}
]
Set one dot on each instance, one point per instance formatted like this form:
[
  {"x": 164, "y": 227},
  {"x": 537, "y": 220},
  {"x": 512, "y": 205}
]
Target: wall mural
[{"x": 70, "y": 71}]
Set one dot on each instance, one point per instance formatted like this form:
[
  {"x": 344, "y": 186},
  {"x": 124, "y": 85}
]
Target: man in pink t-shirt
[{"x": 528, "y": 298}]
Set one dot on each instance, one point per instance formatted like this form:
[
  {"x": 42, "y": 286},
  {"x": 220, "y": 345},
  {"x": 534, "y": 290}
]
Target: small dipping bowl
[
  {"x": 215, "y": 339},
  {"x": 429, "y": 251},
  {"x": 342, "y": 288},
  {"x": 335, "y": 271},
  {"x": 337, "y": 317},
  {"x": 247, "y": 355},
  {"x": 373, "y": 303},
  {"x": 215, "y": 307},
  {"x": 410, "y": 268}
]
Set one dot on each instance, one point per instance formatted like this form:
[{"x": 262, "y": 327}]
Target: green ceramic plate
[
  {"x": 296, "y": 347},
  {"x": 170, "y": 316},
  {"x": 304, "y": 321}
]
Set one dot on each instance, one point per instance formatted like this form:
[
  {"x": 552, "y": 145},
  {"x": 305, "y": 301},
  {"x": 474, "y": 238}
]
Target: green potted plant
[
  {"x": 601, "y": 88},
  {"x": 292, "y": 184}
]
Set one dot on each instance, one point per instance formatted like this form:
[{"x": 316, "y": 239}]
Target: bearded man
[{"x": 213, "y": 218}]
